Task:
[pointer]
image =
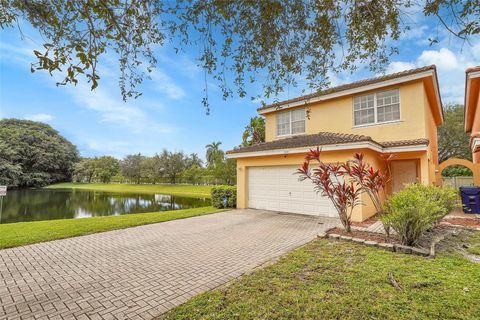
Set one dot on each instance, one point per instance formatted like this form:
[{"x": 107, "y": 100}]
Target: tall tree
[
  {"x": 213, "y": 153},
  {"x": 131, "y": 167},
  {"x": 84, "y": 170},
  {"x": 453, "y": 141},
  {"x": 173, "y": 163},
  {"x": 194, "y": 160},
  {"x": 254, "y": 132},
  {"x": 225, "y": 172},
  {"x": 105, "y": 168},
  {"x": 33, "y": 154},
  {"x": 281, "y": 40}
]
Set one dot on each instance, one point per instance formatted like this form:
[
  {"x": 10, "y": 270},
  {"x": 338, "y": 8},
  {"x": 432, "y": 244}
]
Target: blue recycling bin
[{"x": 470, "y": 199}]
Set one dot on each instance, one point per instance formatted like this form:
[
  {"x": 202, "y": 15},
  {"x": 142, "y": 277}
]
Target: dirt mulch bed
[
  {"x": 367, "y": 236},
  {"x": 464, "y": 222},
  {"x": 365, "y": 223}
]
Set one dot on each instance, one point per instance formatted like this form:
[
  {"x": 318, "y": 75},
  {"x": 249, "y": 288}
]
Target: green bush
[
  {"x": 416, "y": 209},
  {"x": 224, "y": 197}
]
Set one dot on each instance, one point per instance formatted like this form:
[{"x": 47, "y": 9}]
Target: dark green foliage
[
  {"x": 416, "y": 209},
  {"x": 224, "y": 197},
  {"x": 33, "y": 154},
  {"x": 100, "y": 169},
  {"x": 238, "y": 42},
  {"x": 457, "y": 171},
  {"x": 131, "y": 167},
  {"x": 453, "y": 141},
  {"x": 254, "y": 132}
]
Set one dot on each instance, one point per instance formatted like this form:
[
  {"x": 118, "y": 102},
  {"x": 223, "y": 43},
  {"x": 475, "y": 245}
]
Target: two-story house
[
  {"x": 472, "y": 110},
  {"x": 395, "y": 114}
]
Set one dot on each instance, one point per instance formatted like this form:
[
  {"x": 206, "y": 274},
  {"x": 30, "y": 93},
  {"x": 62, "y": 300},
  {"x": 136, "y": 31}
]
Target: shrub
[
  {"x": 224, "y": 197},
  {"x": 343, "y": 184},
  {"x": 416, "y": 209}
]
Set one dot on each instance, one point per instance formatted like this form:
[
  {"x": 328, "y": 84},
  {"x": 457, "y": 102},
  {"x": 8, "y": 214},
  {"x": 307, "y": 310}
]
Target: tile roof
[
  {"x": 323, "y": 139},
  {"x": 401, "y": 143},
  {"x": 352, "y": 85}
]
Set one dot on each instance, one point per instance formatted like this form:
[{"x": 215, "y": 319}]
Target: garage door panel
[{"x": 277, "y": 188}]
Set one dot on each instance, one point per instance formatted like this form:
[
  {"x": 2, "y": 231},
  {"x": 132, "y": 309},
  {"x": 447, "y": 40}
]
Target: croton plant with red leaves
[{"x": 344, "y": 183}]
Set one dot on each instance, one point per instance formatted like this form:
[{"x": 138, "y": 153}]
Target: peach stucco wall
[
  {"x": 476, "y": 128},
  {"x": 337, "y": 116}
]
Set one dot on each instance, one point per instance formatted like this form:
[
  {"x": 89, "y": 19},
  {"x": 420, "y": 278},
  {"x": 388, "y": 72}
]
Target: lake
[{"x": 48, "y": 204}]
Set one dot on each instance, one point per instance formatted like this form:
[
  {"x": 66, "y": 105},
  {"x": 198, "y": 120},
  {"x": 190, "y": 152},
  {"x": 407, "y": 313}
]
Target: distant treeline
[
  {"x": 33, "y": 154},
  {"x": 166, "y": 167}
]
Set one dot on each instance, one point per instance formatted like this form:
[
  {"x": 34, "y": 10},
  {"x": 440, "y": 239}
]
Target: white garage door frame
[{"x": 277, "y": 188}]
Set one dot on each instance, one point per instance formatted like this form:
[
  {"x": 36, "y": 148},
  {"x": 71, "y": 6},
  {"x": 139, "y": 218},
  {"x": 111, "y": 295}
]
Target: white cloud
[
  {"x": 398, "y": 66},
  {"x": 19, "y": 55},
  {"x": 444, "y": 59},
  {"x": 105, "y": 100},
  {"x": 163, "y": 83},
  {"x": 42, "y": 117},
  {"x": 451, "y": 62}
]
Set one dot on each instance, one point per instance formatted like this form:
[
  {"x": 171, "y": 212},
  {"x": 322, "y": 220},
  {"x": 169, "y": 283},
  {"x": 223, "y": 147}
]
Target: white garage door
[{"x": 277, "y": 188}]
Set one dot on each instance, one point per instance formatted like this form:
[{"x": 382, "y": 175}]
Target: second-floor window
[
  {"x": 291, "y": 122},
  {"x": 377, "y": 107}
]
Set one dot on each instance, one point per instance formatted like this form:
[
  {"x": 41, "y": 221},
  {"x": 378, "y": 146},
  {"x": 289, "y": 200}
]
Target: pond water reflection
[{"x": 47, "y": 204}]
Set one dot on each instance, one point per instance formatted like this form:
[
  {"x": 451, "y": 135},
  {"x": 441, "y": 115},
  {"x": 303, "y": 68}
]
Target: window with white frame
[
  {"x": 291, "y": 122},
  {"x": 377, "y": 107}
]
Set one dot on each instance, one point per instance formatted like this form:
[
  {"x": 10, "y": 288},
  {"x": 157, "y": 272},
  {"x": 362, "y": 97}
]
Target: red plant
[
  {"x": 343, "y": 184},
  {"x": 328, "y": 179},
  {"x": 368, "y": 179}
]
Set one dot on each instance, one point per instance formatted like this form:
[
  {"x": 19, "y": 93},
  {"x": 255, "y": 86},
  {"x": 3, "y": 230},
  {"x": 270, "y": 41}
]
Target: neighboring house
[
  {"x": 472, "y": 110},
  {"x": 393, "y": 114}
]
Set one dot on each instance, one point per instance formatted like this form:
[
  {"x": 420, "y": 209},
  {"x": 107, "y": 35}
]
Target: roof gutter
[{"x": 333, "y": 147}]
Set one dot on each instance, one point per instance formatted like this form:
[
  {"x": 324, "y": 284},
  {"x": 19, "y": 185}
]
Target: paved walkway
[{"x": 141, "y": 272}]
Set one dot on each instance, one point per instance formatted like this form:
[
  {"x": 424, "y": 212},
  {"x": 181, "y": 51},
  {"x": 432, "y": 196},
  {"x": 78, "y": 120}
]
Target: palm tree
[
  {"x": 214, "y": 153},
  {"x": 194, "y": 160}
]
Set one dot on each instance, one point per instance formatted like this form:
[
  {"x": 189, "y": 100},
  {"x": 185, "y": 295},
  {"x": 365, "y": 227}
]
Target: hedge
[{"x": 224, "y": 197}]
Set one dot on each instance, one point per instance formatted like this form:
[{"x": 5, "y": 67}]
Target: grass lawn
[
  {"x": 339, "y": 280},
  {"x": 172, "y": 189},
  {"x": 18, "y": 234}
]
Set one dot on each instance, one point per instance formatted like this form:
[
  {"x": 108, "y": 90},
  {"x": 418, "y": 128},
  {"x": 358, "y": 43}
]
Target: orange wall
[
  {"x": 476, "y": 118},
  {"x": 431, "y": 134},
  {"x": 473, "y": 115},
  {"x": 476, "y": 129}
]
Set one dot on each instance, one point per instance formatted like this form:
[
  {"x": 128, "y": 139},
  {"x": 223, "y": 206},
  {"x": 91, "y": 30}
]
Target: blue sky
[{"x": 169, "y": 114}]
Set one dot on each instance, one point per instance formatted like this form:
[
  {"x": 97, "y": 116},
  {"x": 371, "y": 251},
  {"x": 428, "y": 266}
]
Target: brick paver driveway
[{"x": 141, "y": 272}]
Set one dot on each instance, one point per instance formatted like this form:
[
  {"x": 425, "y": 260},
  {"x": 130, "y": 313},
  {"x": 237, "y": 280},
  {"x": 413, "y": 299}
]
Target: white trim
[
  {"x": 332, "y": 147},
  {"x": 420, "y": 147},
  {"x": 475, "y": 144},
  {"x": 347, "y": 92},
  {"x": 376, "y": 124},
  {"x": 471, "y": 75},
  {"x": 437, "y": 95},
  {"x": 475, "y": 74},
  {"x": 290, "y": 123},
  {"x": 375, "y": 109}
]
